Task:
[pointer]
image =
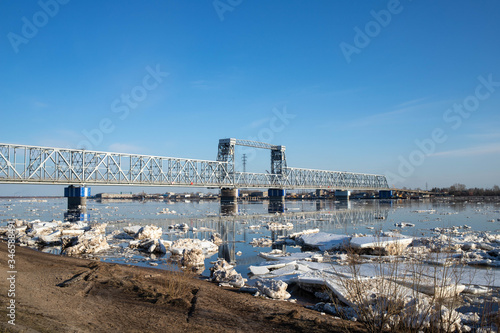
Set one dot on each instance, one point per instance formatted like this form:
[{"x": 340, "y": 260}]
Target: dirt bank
[{"x": 64, "y": 294}]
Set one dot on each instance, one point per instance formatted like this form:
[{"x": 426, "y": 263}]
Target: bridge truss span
[
  {"x": 296, "y": 178},
  {"x": 47, "y": 165},
  {"x": 300, "y": 178},
  {"x": 32, "y": 164}
]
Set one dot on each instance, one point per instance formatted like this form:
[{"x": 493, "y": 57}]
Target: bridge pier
[
  {"x": 276, "y": 200},
  {"x": 77, "y": 202},
  {"x": 342, "y": 195},
  {"x": 228, "y": 195}
]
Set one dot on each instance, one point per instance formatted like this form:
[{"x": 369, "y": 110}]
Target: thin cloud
[
  {"x": 316, "y": 91},
  {"x": 410, "y": 108},
  {"x": 472, "y": 151},
  {"x": 484, "y": 136},
  {"x": 258, "y": 123},
  {"x": 204, "y": 84},
  {"x": 411, "y": 102},
  {"x": 40, "y": 105},
  {"x": 369, "y": 120}
]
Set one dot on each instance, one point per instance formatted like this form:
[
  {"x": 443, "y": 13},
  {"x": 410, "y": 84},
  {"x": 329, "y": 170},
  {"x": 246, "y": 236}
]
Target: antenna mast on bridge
[{"x": 244, "y": 158}]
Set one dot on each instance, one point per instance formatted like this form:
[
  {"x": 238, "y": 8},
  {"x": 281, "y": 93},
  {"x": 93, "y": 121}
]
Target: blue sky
[{"x": 345, "y": 85}]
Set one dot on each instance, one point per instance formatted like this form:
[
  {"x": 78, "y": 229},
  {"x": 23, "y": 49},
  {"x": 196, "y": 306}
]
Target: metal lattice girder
[
  {"x": 303, "y": 178},
  {"x": 255, "y": 144},
  {"x": 32, "y": 164},
  {"x": 294, "y": 178}
]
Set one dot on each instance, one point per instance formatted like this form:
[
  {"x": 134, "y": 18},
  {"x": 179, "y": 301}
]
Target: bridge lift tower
[{"x": 226, "y": 154}]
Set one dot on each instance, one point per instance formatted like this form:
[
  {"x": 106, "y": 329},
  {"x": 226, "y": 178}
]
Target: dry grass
[
  {"x": 405, "y": 296},
  {"x": 177, "y": 284}
]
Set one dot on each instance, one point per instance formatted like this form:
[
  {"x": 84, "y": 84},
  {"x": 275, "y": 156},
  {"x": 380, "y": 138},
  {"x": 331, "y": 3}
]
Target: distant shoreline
[
  {"x": 33, "y": 197},
  {"x": 437, "y": 198}
]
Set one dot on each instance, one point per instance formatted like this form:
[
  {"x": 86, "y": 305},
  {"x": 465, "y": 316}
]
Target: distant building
[
  {"x": 386, "y": 194},
  {"x": 252, "y": 194},
  {"x": 114, "y": 196},
  {"x": 259, "y": 194}
]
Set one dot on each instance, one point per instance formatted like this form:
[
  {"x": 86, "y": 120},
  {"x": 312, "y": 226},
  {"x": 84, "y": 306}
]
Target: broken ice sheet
[{"x": 324, "y": 241}]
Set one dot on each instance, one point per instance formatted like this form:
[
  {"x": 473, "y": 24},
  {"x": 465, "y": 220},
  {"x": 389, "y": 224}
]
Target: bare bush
[
  {"x": 399, "y": 295},
  {"x": 177, "y": 284}
]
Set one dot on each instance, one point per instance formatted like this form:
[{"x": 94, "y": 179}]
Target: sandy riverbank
[{"x": 65, "y": 294}]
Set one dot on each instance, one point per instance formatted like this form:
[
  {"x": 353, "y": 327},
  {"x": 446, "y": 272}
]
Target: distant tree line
[{"x": 462, "y": 190}]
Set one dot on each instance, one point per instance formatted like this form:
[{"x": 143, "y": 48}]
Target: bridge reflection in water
[
  {"x": 78, "y": 214},
  {"x": 341, "y": 218},
  {"x": 337, "y": 217}
]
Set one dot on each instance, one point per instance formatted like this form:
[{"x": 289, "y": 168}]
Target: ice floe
[
  {"x": 295, "y": 235},
  {"x": 193, "y": 257},
  {"x": 408, "y": 271},
  {"x": 216, "y": 239},
  {"x": 224, "y": 273},
  {"x": 393, "y": 244},
  {"x": 323, "y": 241},
  {"x": 261, "y": 242},
  {"x": 149, "y": 232},
  {"x": 279, "y": 226},
  {"x": 404, "y": 224},
  {"x": 274, "y": 289},
  {"x": 90, "y": 242},
  {"x": 182, "y": 244}
]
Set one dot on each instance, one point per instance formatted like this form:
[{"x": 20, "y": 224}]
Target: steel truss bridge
[{"x": 48, "y": 165}]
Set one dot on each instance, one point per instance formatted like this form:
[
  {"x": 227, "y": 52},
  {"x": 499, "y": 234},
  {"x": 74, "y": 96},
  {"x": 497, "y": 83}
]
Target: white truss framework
[{"x": 33, "y": 164}]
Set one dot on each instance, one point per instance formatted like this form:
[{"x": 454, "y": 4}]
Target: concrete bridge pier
[
  {"x": 229, "y": 195},
  {"x": 77, "y": 203},
  {"x": 276, "y": 200},
  {"x": 228, "y": 201}
]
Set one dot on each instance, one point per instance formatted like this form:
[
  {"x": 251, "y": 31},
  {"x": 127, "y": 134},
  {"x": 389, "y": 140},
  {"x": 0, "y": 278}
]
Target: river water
[{"x": 204, "y": 218}]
